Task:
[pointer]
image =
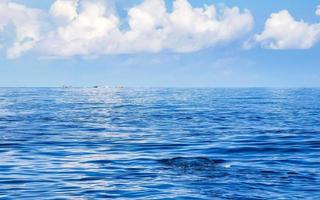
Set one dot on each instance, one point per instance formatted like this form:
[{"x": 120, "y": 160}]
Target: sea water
[{"x": 159, "y": 143}]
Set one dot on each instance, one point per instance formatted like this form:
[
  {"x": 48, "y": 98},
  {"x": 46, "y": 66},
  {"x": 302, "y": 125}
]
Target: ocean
[{"x": 159, "y": 143}]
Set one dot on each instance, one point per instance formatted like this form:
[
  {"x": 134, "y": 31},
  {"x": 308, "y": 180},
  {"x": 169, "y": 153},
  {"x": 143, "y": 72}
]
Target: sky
[{"x": 160, "y": 43}]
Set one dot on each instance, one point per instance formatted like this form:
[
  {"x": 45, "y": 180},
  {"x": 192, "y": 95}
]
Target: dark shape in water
[{"x": 192, "y": 163}]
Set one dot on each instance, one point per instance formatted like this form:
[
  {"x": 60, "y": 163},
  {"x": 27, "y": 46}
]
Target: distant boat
[
  {"x": 97, "y": 87},
  {"x": 66, "y": 86}
]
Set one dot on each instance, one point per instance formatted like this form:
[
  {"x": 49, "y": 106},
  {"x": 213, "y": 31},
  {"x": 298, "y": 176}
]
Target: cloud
[
  {"x": 92, "y": 27},
  {"x": 64, "y": 11},
  {"x": 89, "y": 31},
  {"x": 185, "y": 29},
  {"x": 151, "y": 28},
  {"x": 26, "y": 24},
  {"x": 318, "y": 11},
  {"x": 282, "y": 31}
]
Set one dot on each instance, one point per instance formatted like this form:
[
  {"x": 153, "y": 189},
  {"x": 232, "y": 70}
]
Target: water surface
[{"x": 157, "y": 143}]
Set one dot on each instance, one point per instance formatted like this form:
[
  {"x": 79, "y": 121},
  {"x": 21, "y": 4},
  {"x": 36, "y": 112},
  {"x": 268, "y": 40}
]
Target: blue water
[{"x": 82, "y": 143}]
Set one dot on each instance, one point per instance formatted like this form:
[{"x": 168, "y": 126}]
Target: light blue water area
[{"x": 157, "y": 143}]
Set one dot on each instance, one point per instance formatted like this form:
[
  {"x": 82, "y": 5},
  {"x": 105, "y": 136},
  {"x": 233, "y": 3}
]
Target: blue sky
[{"x": 281, "y": 57}]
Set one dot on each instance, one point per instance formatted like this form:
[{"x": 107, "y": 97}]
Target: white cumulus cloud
[
  {"x": 151, "y": 28},
  {"x": 282, "y": 31},
  {"x": 25, "y": 23},
  {"x": 89, "y": 32},
  {"x": 64, "y": 11},
  {"x": 92, "y": 27}
]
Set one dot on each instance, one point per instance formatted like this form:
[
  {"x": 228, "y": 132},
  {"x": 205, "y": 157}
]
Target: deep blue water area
[{"x": 159, "y": 143}]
